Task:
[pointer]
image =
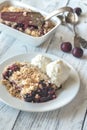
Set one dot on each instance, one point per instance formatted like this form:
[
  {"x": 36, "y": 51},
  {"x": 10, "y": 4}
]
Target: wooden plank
[
  {"x": 48, "y": 6},
  {"x": 1, "y": 105},
  {"x": 41, "y": 121},
  {"x": 5, "y": 42},
  {"x": 18, "y": 47},
  {"x": 85, "y": 121},
  {"x": 7, "y": 114},
  {"x": 7, "y": 117},
  {"x": 73, "y": 113},
  {"x": 84, "y": 125},
  {"x": 37, "y": 121}
]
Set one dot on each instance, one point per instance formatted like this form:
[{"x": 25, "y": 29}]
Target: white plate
[{"x": 65, "y": 95}]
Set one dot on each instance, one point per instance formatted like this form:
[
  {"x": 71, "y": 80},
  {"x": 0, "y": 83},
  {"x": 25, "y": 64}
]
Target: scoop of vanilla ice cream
[
  {"x": 58, "y": 71},
  {"x": 41, "y": 61}
]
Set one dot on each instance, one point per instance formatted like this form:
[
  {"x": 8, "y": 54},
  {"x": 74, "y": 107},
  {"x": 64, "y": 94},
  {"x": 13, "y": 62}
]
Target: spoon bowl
[{"x": 72, "y": 18}]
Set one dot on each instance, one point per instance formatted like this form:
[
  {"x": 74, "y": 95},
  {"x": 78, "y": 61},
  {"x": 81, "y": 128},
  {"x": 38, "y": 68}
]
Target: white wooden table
[{"x": 72, "y": 116}]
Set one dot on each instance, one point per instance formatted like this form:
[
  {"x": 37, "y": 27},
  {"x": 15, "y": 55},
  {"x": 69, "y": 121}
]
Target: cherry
[
  {"x": 20, "y": 25},
  {"x": 78, "y": 10},
  {"x": 7, "y": 74},
  {"x": 66, "y": 46},
  {"x": 14, "y": 67},
  {"x": 28, "y": 97},
  {"x": 77, "y": 52}
]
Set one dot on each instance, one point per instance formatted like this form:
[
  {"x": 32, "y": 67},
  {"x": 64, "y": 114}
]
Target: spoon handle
[{"x": 56, "y": 12}]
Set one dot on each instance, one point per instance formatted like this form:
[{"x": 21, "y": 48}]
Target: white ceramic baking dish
[{"x": 31, "y": 40}]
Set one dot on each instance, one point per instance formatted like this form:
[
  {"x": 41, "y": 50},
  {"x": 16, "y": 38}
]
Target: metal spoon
[
  {"x": 59, "y": 11},
  {"x": 78, "y": 40},
  {"x": 73, "y": 19}
]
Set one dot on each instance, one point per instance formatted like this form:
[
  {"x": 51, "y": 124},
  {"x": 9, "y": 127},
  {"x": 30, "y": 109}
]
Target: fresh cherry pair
[{"x": 76, "y": 51}]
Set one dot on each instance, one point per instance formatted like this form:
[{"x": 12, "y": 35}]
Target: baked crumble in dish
[
  {"x": 25, "y": 20},
  {"x": 27, "y": 82}
]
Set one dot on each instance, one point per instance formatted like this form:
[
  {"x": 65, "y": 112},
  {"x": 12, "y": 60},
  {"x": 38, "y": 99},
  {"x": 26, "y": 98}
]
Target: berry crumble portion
[
  {"x": 25, "y": 20},
  {"x": 27, "y": 82}
]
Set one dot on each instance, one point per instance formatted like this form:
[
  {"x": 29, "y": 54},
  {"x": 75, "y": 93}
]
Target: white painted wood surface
[{"x": 74, "y": 115}]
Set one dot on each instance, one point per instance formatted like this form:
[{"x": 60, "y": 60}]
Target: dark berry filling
[
  {"x": 32, "y": 27},
  {"x": 14, "y": 67},
  {"x": 28, "y": 97},
  {"x": 19, "y": 25},
  {"x": 7, "y": 74},
  {"x": 10, "y": 71},
  {"x": 43, "y": 94}
]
